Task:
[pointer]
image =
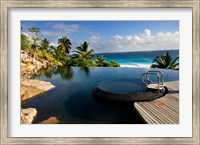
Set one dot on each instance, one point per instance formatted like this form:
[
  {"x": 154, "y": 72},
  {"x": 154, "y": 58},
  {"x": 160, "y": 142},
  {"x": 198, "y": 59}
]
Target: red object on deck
[{"x": 160, "y": 104}]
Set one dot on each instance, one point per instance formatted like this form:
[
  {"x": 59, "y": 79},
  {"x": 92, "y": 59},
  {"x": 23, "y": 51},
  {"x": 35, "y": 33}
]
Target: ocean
[{"x": 136, "y": 59}]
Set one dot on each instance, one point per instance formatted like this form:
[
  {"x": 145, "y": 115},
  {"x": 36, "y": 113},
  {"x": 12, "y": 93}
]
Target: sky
[{"x": 111, "y": 36}]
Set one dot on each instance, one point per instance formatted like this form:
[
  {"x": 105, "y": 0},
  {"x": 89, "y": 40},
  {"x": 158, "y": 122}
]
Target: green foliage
[
  {"x": 34, "y": 30},
  {"x": 83, "y": 56},
  {"x": 60, "y": 54},
  {"x": 35, "y": 43},
  {"x": 100, "y": 61},
  {"x": 25, "y": 42},
  {"x": 82, "y": 52},
  {"x": 165, "y": 61},
  {"x": 114, "y": 64},
  {"x": 48, "y": 57},
  {"x": 42, "y": 55},
  {"x": 52, "y": 49},
  {"x": 79, "y": 62},
  {"x": 64, "y": 44},
  {"x": 45, "y": 44}
]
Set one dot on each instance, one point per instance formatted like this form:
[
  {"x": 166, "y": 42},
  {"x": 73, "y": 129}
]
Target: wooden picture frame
[{"x": 5, "y": 5}]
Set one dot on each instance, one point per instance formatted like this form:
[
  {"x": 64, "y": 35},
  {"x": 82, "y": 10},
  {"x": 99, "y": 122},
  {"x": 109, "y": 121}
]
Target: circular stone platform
[{"x": 126, "y": 90}]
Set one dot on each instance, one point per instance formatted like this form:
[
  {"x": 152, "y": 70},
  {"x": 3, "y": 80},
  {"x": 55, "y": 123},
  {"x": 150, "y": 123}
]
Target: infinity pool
[{"x": 72, "y": 102}]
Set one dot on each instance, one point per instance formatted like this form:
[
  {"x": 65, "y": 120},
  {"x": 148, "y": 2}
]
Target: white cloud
[
  {"x": 94, "y": 39},
  {"x": 139, "y": 42},
  {"x": 145, "y": 40},
  {"x": 129, "y": 37},
  {"x": 147, "y": 32},
  {"x": 53, "y": 44},
  {"x": 60, "y": 29},
  {"x": 66, "y": 28},
  {"x": 49, "y": 33},
  {"x": 118, "y": 37}
]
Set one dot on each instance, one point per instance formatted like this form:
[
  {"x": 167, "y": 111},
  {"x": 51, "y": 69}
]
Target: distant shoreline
[{"x": 99, "y": 53}]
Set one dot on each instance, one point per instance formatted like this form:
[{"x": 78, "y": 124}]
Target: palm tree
[
  {"x": 34, "y": 30},
  {"x": 52, "y": 49},
  {"x": 65, "y": 44},
  {"x": 114, "y": 64},
  {"x": 100, "y": 61},
  {"x": 35, "y": 44},
  {"x": 45, "y": 44},
  {"x": 83, "y": 52},
  {"x": 25, "y": 42},
  {"x": 58, "y": 53},
  {"x": 165, "y": 61}
]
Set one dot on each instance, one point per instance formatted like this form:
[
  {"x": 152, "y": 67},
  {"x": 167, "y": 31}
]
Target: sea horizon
[
  {"x": 136, "y": 51},
  {"x": 136, "y": 58}
]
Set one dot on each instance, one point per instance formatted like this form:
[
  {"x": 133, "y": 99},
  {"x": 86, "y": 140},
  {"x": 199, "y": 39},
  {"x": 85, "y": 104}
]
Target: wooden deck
[{"x": 164, "y": 110}]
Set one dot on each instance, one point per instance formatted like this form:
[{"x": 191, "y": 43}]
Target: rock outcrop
[
  {"x": 31, "y": 65},
  {"x": 51, "y": 120},
  {"x": 27, "y": 115},
  {"x": 31, "y": 88}
]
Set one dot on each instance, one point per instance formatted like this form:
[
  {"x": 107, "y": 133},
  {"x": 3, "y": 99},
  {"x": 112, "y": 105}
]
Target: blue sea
[{"x": 136, "y": 59}]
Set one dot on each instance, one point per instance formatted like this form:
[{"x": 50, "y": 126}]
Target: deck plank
[{"x": 164, "y": 110}]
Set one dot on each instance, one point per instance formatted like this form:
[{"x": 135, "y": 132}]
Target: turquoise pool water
[{"x": 71, "y": 101}]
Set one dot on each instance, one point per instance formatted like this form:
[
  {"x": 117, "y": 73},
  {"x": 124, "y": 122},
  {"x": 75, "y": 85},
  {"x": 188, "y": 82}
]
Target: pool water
[
  {"x": 72, "y": 102},
  {"x": 126, "y": 89},
  {"x": 122, "y": 86}
]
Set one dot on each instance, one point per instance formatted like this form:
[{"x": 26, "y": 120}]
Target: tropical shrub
[{"x": 165, "y": 61}]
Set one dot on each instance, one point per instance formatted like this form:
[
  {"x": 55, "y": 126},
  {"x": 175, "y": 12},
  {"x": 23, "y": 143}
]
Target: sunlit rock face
[
  {"x": 27, "y": 115},
  {"x": 31, "y": 88}
]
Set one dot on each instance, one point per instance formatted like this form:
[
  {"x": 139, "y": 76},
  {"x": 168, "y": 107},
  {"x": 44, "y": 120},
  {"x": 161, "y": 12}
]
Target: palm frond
[{"x": 175, "y": 60}]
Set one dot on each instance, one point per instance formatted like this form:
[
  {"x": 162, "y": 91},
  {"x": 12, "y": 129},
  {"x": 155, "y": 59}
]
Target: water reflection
[
  {"x": 47, "y": 72},
  {"x": 66, "y": 72},
  {"x": 86, "y": 70}
]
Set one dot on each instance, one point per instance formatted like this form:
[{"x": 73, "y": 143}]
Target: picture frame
[{"x": 5, "y": 5}]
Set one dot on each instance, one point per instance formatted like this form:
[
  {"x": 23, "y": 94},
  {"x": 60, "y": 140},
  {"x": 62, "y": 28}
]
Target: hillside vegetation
[{"x": 61, "y": 54}]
